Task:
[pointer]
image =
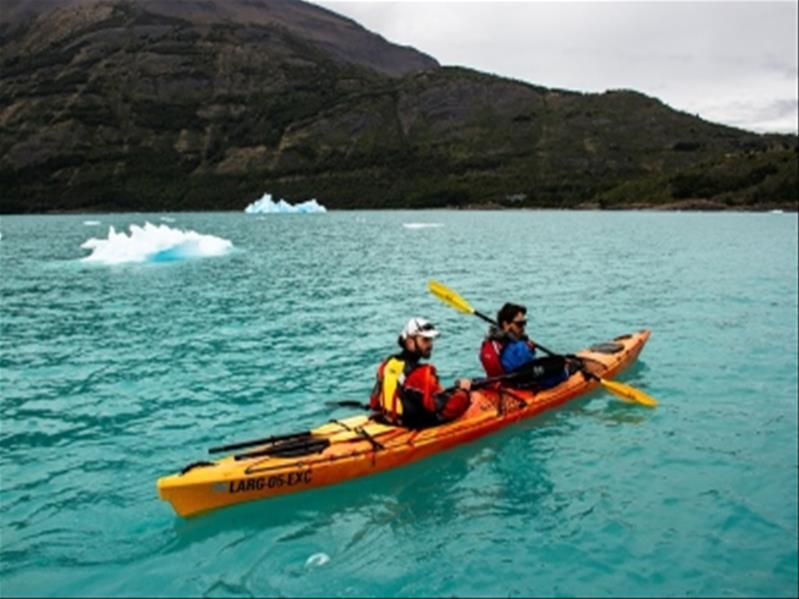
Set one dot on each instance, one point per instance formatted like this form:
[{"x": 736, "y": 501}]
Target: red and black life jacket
[
  {"x": 409, "y": 394},
  {"x": 405, "y": 392},
  {"x": 490, "y": 352}
]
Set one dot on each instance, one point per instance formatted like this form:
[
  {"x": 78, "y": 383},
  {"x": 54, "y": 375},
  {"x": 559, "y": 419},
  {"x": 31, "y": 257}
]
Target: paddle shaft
[
  {"x": 476, "y": 384},
  {"x": 264, "y": 441}
]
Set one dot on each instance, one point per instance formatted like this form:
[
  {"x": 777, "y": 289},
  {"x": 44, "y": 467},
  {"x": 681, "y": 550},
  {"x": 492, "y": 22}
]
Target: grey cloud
[
  {"x": 686, "y": 53},
  {"x": 777, "y": 109},
  {"x": 780, "y": 115}
]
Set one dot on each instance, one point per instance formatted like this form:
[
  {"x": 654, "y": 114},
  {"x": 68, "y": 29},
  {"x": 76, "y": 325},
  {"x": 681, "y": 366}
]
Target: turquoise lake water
[{"x": 114, "y": 375}]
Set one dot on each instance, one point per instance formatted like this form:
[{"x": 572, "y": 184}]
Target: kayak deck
[{"x": 358, "y": 446}]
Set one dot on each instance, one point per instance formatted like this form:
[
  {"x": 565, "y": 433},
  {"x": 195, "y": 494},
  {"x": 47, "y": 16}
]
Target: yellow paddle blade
[
  {"x": 449, "y": 297},
  {"x": 628, "y": 393}
]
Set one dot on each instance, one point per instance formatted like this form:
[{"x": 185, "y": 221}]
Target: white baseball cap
[{"x": 419, "y": 327}]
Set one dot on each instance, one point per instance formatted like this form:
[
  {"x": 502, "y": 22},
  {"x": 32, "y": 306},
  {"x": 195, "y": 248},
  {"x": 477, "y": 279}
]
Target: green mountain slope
[{"x": 192, "y": 104}]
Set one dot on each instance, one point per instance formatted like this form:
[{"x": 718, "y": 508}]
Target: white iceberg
[
  {"x": 266, "y": 206},
  {"x": 422, "y": 225},
  {"x": 153, "y": 244}
]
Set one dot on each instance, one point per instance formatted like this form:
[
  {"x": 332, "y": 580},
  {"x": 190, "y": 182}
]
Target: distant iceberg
[
  {"x": 266, "y": 206},
  {"x": 422, "y": 225},
  {"x": 153, "y": 244}
]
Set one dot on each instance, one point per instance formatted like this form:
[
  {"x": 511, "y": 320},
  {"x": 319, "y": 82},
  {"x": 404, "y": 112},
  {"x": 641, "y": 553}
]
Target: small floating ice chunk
[
  {"x": 422, "y": 225},
  {"x": 152, "y": 243},
  {"x": 266, "y": 206},
  {"x": 317, "y": 560}
]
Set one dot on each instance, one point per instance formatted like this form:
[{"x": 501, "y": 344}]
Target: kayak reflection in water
[
  {"x": 507, "y": 348},
  {"x": 408, "y": 393}
]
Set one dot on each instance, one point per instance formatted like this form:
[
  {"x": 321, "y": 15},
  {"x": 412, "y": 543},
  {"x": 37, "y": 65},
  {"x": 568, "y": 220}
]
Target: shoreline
[
  {"x": 681, "y": 206},
  {"x": 662, "y": 210}
]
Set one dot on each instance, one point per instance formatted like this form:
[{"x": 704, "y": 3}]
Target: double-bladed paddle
[{"x": 622, "y": 391}]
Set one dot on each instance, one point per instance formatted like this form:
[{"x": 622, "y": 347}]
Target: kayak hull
[{"x": 358, "y": 446}]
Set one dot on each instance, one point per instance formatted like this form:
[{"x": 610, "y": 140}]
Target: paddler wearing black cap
[{"x": 407, "y": 392}]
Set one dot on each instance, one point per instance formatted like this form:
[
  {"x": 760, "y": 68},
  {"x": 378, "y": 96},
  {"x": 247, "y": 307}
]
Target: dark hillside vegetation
[{"x": 204, "y": 105}]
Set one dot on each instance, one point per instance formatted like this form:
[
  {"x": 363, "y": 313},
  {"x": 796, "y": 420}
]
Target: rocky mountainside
[{"x": 206, "y": 104}]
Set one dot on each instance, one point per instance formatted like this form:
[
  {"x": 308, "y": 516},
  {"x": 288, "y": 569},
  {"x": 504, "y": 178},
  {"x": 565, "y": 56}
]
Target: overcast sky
[{"x": 731, "y": 62}]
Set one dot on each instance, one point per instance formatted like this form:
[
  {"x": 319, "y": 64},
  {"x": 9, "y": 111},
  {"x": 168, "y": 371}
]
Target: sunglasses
[{"x": 521, "y": 323}]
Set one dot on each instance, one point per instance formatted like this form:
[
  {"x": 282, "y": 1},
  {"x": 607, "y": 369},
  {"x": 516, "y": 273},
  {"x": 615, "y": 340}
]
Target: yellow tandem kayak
[{"x": 358, "y": 446}]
